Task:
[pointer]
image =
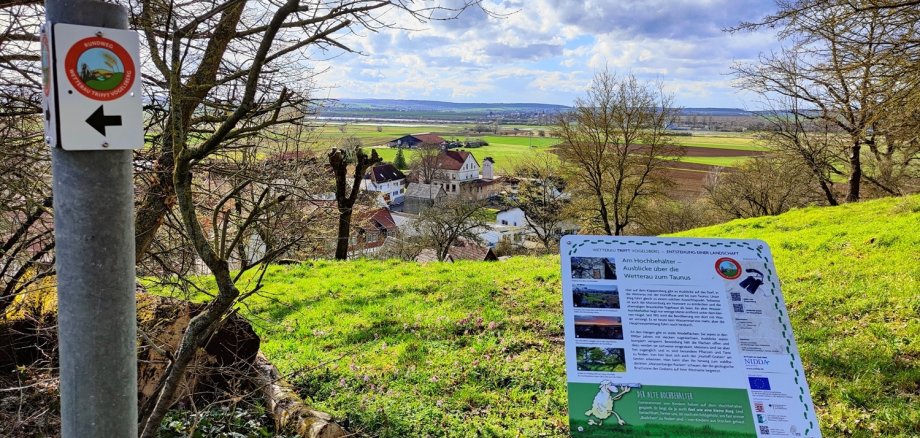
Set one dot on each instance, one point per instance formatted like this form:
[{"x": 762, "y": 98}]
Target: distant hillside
[
  {"x": 433, "y": 105},
  {"x": 396, "y": 109},
  {"x": 475, "y": 348}
]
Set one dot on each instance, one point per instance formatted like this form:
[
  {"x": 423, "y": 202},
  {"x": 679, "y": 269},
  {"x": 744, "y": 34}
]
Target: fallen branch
[{"x": 288, "y": 409}]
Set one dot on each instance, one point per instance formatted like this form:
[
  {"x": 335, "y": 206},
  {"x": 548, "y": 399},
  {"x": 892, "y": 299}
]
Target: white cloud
[{"x": 547, "y": 51}]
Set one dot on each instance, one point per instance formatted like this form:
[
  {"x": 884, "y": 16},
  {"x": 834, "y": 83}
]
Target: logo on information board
[
  {"x": 728, "y": 268},
  {"x": 99, "y": 68}
]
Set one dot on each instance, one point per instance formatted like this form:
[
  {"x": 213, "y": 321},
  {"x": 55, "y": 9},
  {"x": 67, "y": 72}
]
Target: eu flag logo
[{"x": 761, "y": 383}]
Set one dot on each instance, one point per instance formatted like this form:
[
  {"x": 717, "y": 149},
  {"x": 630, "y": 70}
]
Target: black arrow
[{"x": 98, "y": 120}]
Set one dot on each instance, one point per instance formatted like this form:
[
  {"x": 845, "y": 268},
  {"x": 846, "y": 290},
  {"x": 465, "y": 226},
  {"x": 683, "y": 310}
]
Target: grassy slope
[{"x": 400, "y": 349}]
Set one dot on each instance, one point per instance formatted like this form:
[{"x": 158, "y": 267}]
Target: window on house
[{"x": 504, "y": 222}]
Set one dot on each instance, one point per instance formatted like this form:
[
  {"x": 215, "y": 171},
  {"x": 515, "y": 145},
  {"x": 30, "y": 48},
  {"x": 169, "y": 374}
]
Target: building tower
[{"x": 487, "y": 168}]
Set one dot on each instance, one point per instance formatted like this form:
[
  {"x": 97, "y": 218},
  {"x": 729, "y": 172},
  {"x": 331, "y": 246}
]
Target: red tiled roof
[
  {"x": 452, "y": 160},
  {"x": 375, "y": 217},
  {"x": 471, "y": 251},
  {"x": 429, "y": 138},
  {"x": 385, "y": 219}
]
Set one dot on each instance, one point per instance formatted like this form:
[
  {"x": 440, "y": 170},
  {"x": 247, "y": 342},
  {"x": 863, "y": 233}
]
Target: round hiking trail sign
[
  {"x": 99, "y": 68},
  {"x": 728, "y": 268}
]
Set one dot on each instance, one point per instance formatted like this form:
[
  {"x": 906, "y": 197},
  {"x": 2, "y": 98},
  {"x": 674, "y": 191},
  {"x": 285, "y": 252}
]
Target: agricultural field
[
  {"x": 475, "y": 348},
  {"x": 716, "y": 149}
]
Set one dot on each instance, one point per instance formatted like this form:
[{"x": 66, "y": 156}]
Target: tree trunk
[
  {"x": 604, "y": 219},
  {"x": 344, "y": 233},
  {"x": 855, "y": 172},
  {"x": 158, "y": 200},
  {"x": 289, "y": 411}
]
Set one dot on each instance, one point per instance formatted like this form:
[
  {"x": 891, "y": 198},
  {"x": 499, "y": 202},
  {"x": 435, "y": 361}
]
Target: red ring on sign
[
  {"x": 728, "y": 260},
  {"x": 73, "y": 74}
]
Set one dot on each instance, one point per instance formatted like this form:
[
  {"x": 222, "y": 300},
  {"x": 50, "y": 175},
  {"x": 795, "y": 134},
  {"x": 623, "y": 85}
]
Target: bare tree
[
  {"x": 446, "y": 223},
  {"x": 615, "y": 147},
  {"x": 766, "y": 185},
  {"x": 26, "y": 240},
  {"x": 425, "y": 165},
  {"x": 665, "y": 216},
  {"x": 815, "y": 142},
  {"x": 542, "y": 196},
  {"x": 853, "y": 65}
]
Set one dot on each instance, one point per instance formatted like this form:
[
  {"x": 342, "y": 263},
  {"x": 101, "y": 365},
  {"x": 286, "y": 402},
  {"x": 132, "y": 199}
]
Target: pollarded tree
[
  {"x": 615, "y": 147},
  {"x": 347, "y": 189}
]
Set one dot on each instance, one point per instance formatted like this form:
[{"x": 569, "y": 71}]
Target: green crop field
[
  {"x": 400, "y": 349},
  {"x": 741, "y": 142},
  {"x": 715, "y": 161}
]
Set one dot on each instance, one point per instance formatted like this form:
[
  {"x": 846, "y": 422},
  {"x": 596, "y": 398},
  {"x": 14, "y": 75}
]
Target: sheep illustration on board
[{"x": 603, "y": 403}]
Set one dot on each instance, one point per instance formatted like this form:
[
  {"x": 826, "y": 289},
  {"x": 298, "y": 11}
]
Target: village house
[
  {"x": 510, "y": 225},
  {"x": 371, "y": 229},
  {"x": 458, "y": 172},
  {"x": 387, "y": 180}
]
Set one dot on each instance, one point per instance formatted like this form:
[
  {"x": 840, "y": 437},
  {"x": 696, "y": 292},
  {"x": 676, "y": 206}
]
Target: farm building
[
  {"x": 415, "y": 140},
  {"x": 420, "y": 196}
]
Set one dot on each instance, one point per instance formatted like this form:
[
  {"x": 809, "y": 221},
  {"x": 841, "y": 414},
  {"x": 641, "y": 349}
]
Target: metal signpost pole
[{"x": 94, "y": 249}]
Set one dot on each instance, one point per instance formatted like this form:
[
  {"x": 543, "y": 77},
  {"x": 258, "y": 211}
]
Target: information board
[{"x": 681, "y": 338}]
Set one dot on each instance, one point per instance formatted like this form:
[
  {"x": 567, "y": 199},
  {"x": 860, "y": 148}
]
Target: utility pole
[{"x": 94, "y": 250}]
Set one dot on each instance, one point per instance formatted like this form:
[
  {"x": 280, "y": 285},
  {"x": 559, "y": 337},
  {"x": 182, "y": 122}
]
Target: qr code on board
[
  {"x": 764, "y": 430},
  {"x": 736, "y": 296},
  {"x": 738, "y": 308}
]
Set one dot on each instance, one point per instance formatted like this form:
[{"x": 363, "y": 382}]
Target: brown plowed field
[
  {"x": 698, "y": 151},
  {"x": 689, "y": 178}
]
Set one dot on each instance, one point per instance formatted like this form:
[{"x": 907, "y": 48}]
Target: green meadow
[{"x": 399, "y": 349}]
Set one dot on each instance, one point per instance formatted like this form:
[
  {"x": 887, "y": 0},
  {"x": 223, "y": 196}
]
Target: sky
[{"x": 546, "y": 51}]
